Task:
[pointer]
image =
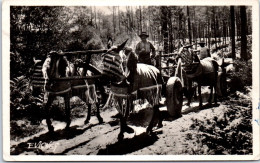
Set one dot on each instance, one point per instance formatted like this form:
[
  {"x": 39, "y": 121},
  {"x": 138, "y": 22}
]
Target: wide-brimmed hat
[{"x": 143, "y": 34}]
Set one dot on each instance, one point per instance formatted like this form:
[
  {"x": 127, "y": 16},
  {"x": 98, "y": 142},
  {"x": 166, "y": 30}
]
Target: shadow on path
[
  {"x": 129, "y": 145},
  {"x": 197, "y": 109}
]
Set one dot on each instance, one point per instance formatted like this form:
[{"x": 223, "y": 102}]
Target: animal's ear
[{"x": 120, "y": 47}]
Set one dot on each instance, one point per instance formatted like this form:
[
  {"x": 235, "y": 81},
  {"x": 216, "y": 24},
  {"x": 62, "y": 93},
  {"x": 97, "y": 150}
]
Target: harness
[
  {"x": 124, "y": 100},
  {"x": 58, "y": 87}
]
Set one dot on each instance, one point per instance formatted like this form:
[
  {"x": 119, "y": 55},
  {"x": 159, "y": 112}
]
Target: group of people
[{"x": 146, "y": 51}]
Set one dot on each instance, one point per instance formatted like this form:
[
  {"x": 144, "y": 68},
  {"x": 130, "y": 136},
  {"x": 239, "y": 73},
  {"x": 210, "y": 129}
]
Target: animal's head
[
  {"x": 188, "y": 56},
  {"x": 190, "y": 61},
  {"x": 55, "y": 65},
  {"x": 113, "y": 63}
]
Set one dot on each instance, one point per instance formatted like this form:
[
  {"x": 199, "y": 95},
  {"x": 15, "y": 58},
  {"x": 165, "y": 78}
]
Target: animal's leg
[
  {"x": 160, "y": 125},
  {"x": 189, "y": 92},
  {"x": 199, "y": 91},
  {"x": 215, "y": 93},
  {"x": 150, "y": 126},
  {"x": 50, "y": 99},
  {"x": 89, "y": 114},
  {"x": 124, "y": 127},
  {"x": 195, "y": 93},
  {"x": 189, "y": 100},
  {"x": 210, "y": 96},
  {"x": 67, "y": 109},
  {"x": 100, "y": 119}
]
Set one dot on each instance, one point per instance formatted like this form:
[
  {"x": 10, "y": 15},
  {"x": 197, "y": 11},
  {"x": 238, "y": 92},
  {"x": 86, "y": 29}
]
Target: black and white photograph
[{"x": 134, "y": 81}]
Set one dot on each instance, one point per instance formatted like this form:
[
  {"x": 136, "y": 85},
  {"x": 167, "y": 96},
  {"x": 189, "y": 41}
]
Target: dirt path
[{"x": 175, "y": 137}]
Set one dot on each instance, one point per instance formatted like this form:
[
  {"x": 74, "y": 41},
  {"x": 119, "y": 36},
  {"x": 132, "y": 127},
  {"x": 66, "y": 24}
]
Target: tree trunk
[
  {"x": 164, "y": 30},
  {"x": 189, "y": 26},
  {"x": 141, "y": 26},
  {"x": 238, "y": 24},
  {"x": 132, "y": 18},
  {"x": 170, "y": 31},
  {"x": 118, "y": 19},
  {"x": 91, "y": 16},
  {"x": 215, "y": 26},
  {"x": 232, "y": 33},
  {"x": 243, "y": 33},
  {"x": 95, "y": 17},
  {"x": 114, "y": 24},
  {"x": 224, "y": 31},
  {"x": 208, "y": 29}
]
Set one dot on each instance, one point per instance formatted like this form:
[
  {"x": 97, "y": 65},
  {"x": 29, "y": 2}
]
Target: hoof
[
  {"x": 67, "y": 128},
  {"x": 159, "y": 125},
  {"x": 86, "y": 121},
  {"x": 51, "y": 129},
  {"x": 129, "y": 130},
  {"x": 100, "y": 120},
  {"x": 149, "y": 132},
  {"x": 120, "y": 136},
  {"x": 209, "y": 104}
]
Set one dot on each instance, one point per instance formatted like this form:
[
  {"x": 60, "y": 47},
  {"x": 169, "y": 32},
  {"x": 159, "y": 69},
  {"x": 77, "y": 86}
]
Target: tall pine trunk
[
  {"x": 232, "y": 33},
  {"x": 141, "y": 26},
  {"x": 118, "y": 19},
  {"x": 243, "y": 33},
  {"x": 164, "y": 30},
  {"x": 189, "y": 25}
]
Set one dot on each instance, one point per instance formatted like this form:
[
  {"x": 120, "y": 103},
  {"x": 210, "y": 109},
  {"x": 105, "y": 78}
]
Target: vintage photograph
[{"x": 131, "y": 80}]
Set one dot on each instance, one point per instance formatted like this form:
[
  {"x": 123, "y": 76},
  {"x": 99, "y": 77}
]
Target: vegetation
[
  {"x": 228, "y": 133},
  {"x": 241, "y": 77},
  {"x": 35, "y": 31}
]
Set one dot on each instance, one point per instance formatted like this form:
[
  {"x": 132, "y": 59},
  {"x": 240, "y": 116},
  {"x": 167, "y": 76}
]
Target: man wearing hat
[
  {"x": 144, "y": 48},
  {"x": 204, "y": 51}
]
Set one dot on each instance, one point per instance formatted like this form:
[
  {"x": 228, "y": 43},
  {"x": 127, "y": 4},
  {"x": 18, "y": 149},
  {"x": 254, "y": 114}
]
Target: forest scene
[{"x": 223, "y": 129}]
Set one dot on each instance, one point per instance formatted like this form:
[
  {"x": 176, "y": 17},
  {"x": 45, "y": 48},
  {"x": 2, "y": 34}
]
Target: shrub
[
  {"x": 22, "y": 103},
  {"x": 242, "y": 76},
  {"x": 94, "y": 43},
  {"x": 227, "y": 133}
]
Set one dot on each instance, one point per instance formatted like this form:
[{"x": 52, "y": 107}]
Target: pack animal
[
  {"x": 204, "y": 72},
  {"x": 145, "y": 80},
  {"x": 56, "y": 67}
]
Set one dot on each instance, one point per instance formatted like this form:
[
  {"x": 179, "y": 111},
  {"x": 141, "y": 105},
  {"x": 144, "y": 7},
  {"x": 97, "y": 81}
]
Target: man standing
[
  {"x": 144, "y": 48},
  {"x": 204, "y": 51}
]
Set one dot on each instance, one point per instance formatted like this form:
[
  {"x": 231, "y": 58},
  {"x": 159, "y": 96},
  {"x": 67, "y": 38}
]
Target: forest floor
[{"x": 220, "y": 129}]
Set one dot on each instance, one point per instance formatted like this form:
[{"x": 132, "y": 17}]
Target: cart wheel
[
  {"x": 174, "y": 97},
  {"x": 222, "y": 84}
]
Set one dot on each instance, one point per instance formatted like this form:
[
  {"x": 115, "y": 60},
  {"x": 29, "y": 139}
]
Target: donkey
[
  {"x": 139, "y": 78},
  {"x": 56, "y": 66},
  {"x": 203, "y": 72}
]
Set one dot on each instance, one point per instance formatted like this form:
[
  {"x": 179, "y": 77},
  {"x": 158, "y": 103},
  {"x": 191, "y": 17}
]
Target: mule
[
  {"x": 203, "y": 72},
  {"x": 54, "y": 68},
  {"x": 142, "y": 81}
]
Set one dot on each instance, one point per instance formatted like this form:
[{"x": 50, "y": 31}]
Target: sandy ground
[{"x": 175, "y": 137}]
